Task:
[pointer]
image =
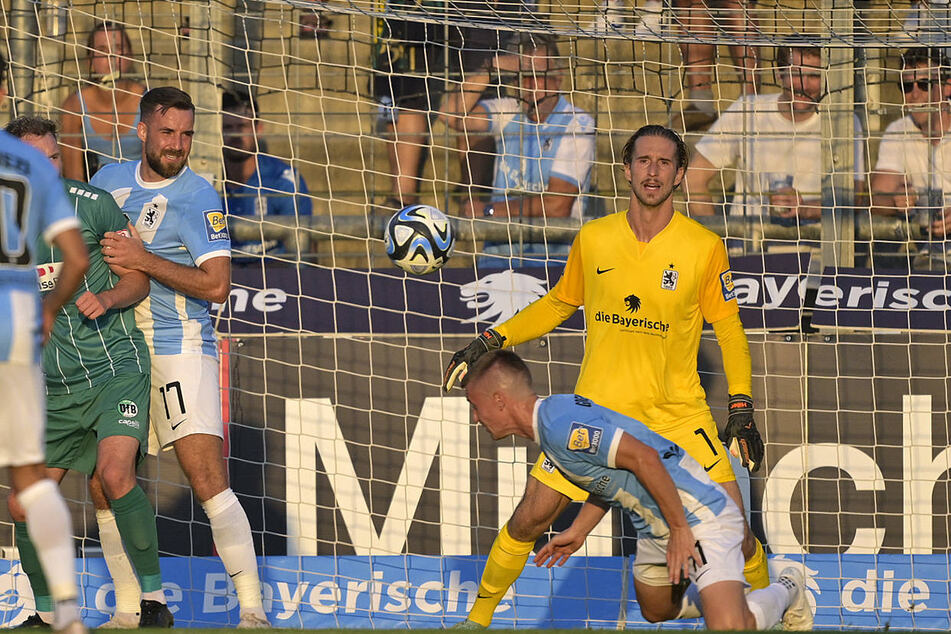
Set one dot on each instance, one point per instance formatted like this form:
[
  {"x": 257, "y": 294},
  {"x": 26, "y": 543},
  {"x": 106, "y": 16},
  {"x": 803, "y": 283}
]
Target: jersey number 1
[{"x": 700, "y": 431}]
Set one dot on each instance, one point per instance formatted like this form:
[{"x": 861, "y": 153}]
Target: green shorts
[{"x": 75, "y": 423}]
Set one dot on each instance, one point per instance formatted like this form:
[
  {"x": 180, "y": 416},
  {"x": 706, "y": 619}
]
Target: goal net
[{"x": 818, "y": 152}]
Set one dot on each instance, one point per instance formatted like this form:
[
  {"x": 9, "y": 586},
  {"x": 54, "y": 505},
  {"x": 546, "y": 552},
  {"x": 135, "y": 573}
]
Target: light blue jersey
[
  {"x": 530, "y": 153},
  {"x": 581, "y": 439},
  {"x": 179, "y": 219},
  {"x": 32, "y": 202}
]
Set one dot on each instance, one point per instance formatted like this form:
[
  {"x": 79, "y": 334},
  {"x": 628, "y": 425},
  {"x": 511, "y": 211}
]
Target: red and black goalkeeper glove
[
  {"x": 460, "y": 362},
  {"x": 741, "y": 435}
]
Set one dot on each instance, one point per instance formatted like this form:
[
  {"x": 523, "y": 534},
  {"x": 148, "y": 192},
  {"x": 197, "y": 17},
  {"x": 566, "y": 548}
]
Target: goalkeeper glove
[
  {"x": 460, "y": 362},
  {"x": 742, "y": 437}
]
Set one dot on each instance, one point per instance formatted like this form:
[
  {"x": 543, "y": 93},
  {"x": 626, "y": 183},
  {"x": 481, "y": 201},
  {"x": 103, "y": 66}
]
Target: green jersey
[{"x": 81, "y": 352}]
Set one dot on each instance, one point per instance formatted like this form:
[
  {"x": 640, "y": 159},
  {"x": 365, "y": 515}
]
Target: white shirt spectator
[
  {"x": 766, "y": 149},
  {"x": 905, "y": 150}
]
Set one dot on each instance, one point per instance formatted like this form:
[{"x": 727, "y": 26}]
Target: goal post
[{"x": 372, "y": 499}]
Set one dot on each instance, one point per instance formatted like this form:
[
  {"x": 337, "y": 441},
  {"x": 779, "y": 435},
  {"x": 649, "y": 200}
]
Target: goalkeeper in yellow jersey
[{"x": 648, "y": 279}]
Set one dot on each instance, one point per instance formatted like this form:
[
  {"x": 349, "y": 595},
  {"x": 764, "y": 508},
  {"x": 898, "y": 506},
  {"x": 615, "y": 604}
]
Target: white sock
[
  {"x": 690, "y": 604},
  {"x": 154, "y": 595},
  {"x": 64, "y": 613},
  {"x": 124, "y": 578},
  {"x": 48, "y": 521},
  {"x": 768, "y": 604},
  {"x": 231, "y": 533}
]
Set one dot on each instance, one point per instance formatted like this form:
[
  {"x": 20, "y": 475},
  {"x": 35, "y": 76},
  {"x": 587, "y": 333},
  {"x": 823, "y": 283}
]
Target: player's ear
[
  {"x": 140, "y": 131},
  {"x": 681, "y": 173},
  {"x": 498, "y": 400}
]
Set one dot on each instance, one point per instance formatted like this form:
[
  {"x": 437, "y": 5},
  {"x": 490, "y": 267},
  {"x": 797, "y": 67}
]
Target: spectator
[
  {"x": 257, "y": 184},
  {"x": 4, "y": 68},
  {"x": 99, "y": 121},
  {"x": 614, "y": 14},
  {"x": 699, "y": 59},
  {"x": 773, "y": 144},
  {"x": 913, "y": 172},
  {"x": 545, "y": 147},
  {"x": 409, "y": 71}
]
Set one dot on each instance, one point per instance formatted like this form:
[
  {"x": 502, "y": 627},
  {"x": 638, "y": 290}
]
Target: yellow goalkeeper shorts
[
  {"x": 700, "y": 439},
  {"x": 546, "y": 473}
]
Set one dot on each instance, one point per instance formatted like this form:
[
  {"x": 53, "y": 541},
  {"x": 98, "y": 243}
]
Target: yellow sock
[
  {"x": 505, "y": 563},
  {"x": 756, "y": 569}
]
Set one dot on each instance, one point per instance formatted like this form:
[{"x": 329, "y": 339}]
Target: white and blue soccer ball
[{"x": 419, "y": 239}]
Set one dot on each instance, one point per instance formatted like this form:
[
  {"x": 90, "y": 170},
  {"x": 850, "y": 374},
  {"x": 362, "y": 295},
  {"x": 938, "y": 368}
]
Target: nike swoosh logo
[
  {"x": 483, "y": 596},
  {"x": 705, "y": 468},
  {"x": 600, "y": 270},
  {"x": 235, "y": 574},
  {"x": 176, "y": 425}
]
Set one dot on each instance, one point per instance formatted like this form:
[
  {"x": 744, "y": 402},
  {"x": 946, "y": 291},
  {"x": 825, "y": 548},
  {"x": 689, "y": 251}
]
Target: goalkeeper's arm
[
  {"x": 740, "y": 434},
  {"x": 736, "y": 354},
  {"x": 537, "y": 319}
]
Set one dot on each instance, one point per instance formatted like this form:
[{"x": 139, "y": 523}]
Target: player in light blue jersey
[
  {"x": 33, "y": 203},
  {"x": 179, "y": 238},
  {"x": 689, "y": 529},
  {"x": 97, "y": 393}
]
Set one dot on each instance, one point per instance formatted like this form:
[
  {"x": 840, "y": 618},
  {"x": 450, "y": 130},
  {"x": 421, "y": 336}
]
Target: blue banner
[
  {"x": 770, "y": 288},
  {"x": 454, "y": 301},
  {"x": 856, "y": 298},
  {"x": 861, "y": 591}
]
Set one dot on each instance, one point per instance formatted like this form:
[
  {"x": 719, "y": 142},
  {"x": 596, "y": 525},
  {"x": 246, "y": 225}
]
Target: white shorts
[
  {"x": 186, "y": 399},
  {"x": 720, "y": 543},
  {"x": 23, "y": 415}
]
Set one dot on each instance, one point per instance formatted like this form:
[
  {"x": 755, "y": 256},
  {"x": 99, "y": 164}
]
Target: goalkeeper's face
[{"x": 653, "y": 172}]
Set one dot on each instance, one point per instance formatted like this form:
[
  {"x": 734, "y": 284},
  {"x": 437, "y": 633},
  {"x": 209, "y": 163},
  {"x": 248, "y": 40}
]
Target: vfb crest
[{"x": 128, "y": 408}]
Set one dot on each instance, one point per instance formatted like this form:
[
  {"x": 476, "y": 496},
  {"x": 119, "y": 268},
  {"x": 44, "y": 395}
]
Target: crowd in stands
[{"x": 527, "y": 152}]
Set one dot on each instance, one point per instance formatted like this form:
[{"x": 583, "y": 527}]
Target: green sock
[
  {"x": 136, "y": 521},
  {"x": 34, "y": 571}
]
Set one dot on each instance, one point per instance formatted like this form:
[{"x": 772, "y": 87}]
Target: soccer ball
[{"x": 419, "y": 239}]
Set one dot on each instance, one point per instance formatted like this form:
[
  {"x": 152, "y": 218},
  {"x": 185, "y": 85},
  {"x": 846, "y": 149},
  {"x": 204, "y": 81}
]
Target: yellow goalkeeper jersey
[{"x": 645, "y": 304}]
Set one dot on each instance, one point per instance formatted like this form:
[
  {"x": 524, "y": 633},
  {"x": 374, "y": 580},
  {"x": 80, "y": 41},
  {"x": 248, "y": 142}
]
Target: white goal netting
[{"x": 818, "y": 141}]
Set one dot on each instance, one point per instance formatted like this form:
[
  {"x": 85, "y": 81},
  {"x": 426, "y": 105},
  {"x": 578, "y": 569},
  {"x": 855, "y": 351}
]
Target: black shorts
[{"x": 412, "y": 64}]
